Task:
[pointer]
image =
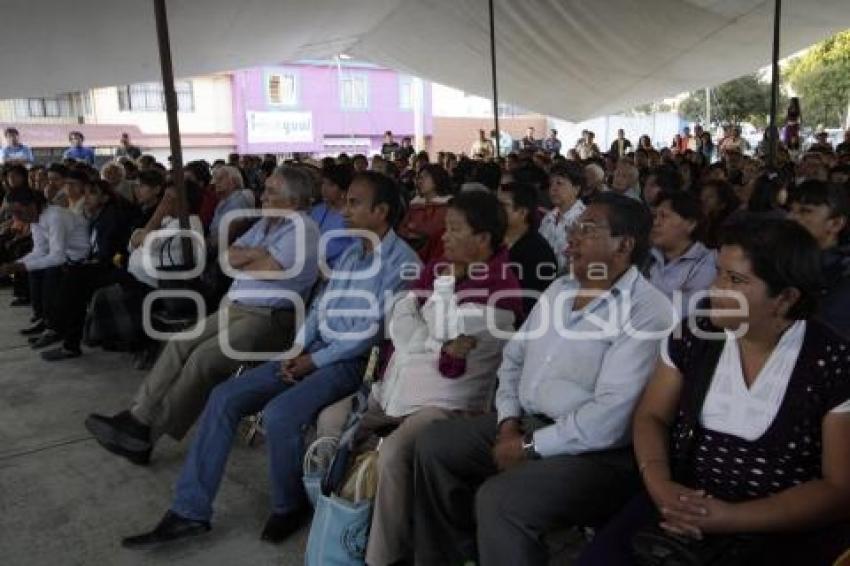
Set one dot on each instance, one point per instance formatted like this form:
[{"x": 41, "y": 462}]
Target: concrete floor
[{"x": 66, "y": 501}]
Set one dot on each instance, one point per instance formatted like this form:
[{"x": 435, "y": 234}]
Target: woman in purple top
[{"x": 436, "y": 371}]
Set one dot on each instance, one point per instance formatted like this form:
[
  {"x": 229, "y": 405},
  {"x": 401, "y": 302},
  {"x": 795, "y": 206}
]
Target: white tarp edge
[{"x": 569, "y": 58}]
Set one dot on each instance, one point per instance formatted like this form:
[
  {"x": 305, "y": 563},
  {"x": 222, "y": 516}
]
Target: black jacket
[
  {"x": 835, "y": 296},
  {"x": 110, "y": 231},
  {"x": 534, "y": 264}
]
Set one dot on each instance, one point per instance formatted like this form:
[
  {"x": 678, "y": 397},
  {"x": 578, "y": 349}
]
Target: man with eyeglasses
[{"x": 557, "y": 452}]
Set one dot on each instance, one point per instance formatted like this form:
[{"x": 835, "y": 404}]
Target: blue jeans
[{"x": 287, "y": 412}]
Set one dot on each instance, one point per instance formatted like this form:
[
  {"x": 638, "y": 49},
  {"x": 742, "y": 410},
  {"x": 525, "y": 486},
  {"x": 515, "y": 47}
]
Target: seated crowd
[{"x": 640, "y": 343}]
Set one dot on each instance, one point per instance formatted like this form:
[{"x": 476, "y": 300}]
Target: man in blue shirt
[
  {"x": 340, "y": 329},
  {"x": 259, "y": 317},
  {"x": 336, "y": 179},
  {"x": 77, "y": 151},
  {"x": 232, "y": 195},
  {"x": 15, "y": 152}
]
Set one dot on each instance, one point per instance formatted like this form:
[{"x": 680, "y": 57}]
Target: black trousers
[
  {"x": 21, "y": 285},
  {"x": 612, "y": 545},
  {"x": 78, "y": 284},
  {"x": 465, "y": 509},
  {"x": 12, "y": 249},
  {"x": 44, "y": 294}
]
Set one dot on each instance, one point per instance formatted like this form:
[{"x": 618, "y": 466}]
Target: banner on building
[{"x": 280, "y": 127}]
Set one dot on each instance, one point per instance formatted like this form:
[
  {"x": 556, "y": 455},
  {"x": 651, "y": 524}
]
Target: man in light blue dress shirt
[
  {"x": 260, "y": 316},
  {"x": 340, "y": 329},
  {"x": 556, "y": 452}
]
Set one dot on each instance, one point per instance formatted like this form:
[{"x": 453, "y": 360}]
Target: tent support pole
[
  {"x": 774, "y": 86},
  {"x": 496, "y": 142},
  {"x": 170, "y": 95}
]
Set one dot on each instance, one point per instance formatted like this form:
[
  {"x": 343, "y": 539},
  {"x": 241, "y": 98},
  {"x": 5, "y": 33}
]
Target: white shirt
[
  {"x": 731, "y": 407},
  {"x": 585, "y": 369},
  {"x": 58, "y": 236},
  {"x": 412, "y": 379},
  {"x": 555, "y": 228},
  {"x": 163, "y": 251}
]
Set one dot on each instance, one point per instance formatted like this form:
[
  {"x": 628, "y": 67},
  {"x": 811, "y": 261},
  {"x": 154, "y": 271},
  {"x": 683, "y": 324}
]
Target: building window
[
  {"x": 354, "y": 92},
  {"x": 282, "y": 89},
  {"x": 508, "y": 110},
  {"x": 59, "y": 106},
  {"x": 150, "y": 97},
  {"x": 405, "y": 92}
]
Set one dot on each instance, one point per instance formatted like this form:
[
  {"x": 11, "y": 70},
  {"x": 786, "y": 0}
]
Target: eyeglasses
[{"x": 588, "y": 229}]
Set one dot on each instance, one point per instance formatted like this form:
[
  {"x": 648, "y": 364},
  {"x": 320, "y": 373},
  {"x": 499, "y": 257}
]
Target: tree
[
  {"x": 821, "y": 78},
  {"x": 650, "y": 108},
  {"x": 745, "y": 99}
]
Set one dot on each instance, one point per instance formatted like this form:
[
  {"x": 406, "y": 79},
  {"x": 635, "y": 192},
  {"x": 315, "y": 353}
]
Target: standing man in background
[
  {"x": 15, "y": 151},
  {"x": 127, "y": 149},
  {"x": 552, "y": 144},
  {"x": 620, "y": 146},
  {"x": 482, "y": 148},
  {"x": 77, "y": 151}
]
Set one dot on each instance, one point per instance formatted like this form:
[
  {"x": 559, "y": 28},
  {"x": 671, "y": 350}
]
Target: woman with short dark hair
[
  {"x": 565, "y": 182},
  {"x": 769, "y": 195},
  {"x": 439, "y": 370},
  {"x": 745, "y": 427},
  {"x": 718, "y": 203},
  {"x": 531, "y": 255},
  {"x": 680, "y": 265},
  {"x": 664, "y": 179},
  {"x": 328, "y": 213},
  {"x": 424, "y": 223}
]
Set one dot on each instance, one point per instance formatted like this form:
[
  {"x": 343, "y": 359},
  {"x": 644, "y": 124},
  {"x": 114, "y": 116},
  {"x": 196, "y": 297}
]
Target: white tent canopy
[{"x": 569, "y": 58}]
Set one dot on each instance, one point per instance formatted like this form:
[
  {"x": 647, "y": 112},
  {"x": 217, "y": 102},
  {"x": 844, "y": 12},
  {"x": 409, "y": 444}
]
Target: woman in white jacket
[{"x": 447, "y": 336}]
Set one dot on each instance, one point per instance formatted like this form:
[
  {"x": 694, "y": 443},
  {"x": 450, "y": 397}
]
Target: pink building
[{"x": 320, "y": 108}]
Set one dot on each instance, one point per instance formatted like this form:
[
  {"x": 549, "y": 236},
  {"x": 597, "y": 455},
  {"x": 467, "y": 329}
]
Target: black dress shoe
[
  {"x": 37, "y": 328},
  {"x": 172, "y": 527},
  {"x": 49, "y": 338},
  {"x": 59, "y": 354},
  {"x": 122, "y": 435},
  {"x": 20, "y": 302},
  {"x": 280, "y": 526}
]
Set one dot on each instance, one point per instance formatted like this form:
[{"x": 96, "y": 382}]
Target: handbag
[
  {"x": 340, "y": 529},
  {"x": 317, "y": 459},
  {"x": 177, "y": 307},
  {"x": 652, "y": 545}
]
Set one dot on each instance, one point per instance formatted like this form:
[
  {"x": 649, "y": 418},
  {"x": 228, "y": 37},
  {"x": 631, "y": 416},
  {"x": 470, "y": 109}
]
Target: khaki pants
[
  {"x": 391, "y": 535},
  {"x": 175, "y": 391}
]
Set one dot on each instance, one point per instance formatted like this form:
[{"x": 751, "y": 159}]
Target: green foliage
[
  {"x": 821, "y": 78},
  {"x": 745, "y": 99},
  {"x": 650, "y": 108}
]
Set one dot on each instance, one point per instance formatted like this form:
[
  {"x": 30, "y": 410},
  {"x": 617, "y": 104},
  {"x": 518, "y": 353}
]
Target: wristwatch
[{"x": 528, "y": 446}]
